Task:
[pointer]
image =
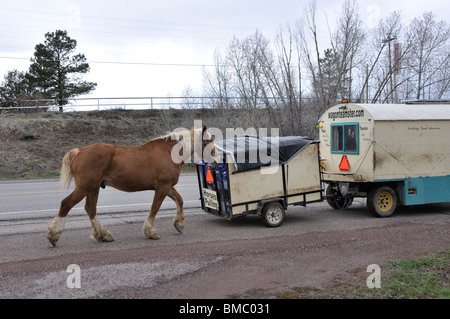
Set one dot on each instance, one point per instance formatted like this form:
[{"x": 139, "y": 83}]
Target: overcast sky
[{"x": 157, "y": 48}]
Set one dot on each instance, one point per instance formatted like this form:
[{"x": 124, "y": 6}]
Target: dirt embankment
[{"x": 33, "y": 144}]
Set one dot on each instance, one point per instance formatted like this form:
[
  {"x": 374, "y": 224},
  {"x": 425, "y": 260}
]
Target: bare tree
[
  {"x": 429, "y": 54},
  {"x": 346, "y": 43},
  {"x": 217, "y": 82},
  {"x": 248, "y": 58},
  {"x": 380, "y": 69},
  {"x": 281, "y": 89},
  {"x": 306, "y": 32},
  {"x": 332, "y": 73},
  {"x": 295, "y": 80},
  {"x": 387, "y": 28}
]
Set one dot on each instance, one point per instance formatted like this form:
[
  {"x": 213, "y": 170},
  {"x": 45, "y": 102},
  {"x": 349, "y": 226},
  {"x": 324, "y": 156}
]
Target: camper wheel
[
  {"x": 273, "y": 214},
  {"x": 336, "y": 200},
  {"x": 382, "y": 201}
]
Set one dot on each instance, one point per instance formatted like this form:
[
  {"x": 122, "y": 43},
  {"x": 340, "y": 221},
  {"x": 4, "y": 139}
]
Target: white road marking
[{"x": 98, "y": 207}]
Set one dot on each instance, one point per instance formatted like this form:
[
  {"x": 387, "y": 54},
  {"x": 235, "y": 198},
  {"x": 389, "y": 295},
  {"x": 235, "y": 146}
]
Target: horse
[{"x": 155, "y": 165}]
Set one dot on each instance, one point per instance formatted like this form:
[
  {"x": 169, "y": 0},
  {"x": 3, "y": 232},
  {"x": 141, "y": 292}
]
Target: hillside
[{"x": 33, "y": 144}]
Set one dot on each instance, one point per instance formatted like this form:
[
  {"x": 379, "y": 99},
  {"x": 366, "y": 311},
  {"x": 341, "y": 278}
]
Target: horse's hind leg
[
  {"x": 178, "y": 221},
  {"x": 56, "y": 226},
  {"x": 149, "y": 229},
  {"x": 97, "y": 231}
]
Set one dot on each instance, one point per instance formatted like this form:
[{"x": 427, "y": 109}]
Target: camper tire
[
  {"x": 382, "y": 201},
  {"x": 273, "y": 214},
  {"x": 336, "y": 200}
]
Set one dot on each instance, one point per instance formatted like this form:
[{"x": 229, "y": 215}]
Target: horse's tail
[{"x": 66, "y": 169}]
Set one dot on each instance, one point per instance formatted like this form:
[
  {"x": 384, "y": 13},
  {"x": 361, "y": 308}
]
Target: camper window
[
  {"x": 337, "y": 133},
  {"x": 344, "y": 138}
]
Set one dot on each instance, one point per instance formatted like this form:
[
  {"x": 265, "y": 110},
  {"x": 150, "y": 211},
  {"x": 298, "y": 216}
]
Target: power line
[
  {"x": 128, "y": 63},
  {"x": 115, "y": 19},
  {"x": 13, "y": 58},
  {"x": 208, "y": 34},
  {"x": 149, "y": 25},
  {"x": 152, "y": 64}
]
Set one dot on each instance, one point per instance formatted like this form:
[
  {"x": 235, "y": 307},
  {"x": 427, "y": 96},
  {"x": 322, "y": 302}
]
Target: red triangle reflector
[
  {"x": 344, "y": 165},
  {"x": 209, "y": 176}
]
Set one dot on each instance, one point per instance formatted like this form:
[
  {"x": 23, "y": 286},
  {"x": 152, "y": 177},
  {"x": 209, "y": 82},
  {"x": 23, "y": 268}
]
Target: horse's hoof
[
  {"x": 150, "y": 232},
  {"x": 154, "y": 236},
  {"x": 102, "y": 235},
  {"x": 53, "y": 237},
  {"x": 179, "y": 227},
  {"x": 107, "y": 237},
  {"x": 52, "y": 241},
  {"x": 55, "y": 228}
]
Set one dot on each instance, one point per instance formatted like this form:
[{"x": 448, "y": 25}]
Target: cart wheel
[
  {"x": 338, "y": 201},
  {"x": 382, "y": 201},
  {"x": 273, "y": 214}
]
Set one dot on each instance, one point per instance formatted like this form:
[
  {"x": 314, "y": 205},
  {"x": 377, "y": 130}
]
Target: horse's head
[
  {"x": 196, "y": 141},
  {"x": 208, "y": 147}
]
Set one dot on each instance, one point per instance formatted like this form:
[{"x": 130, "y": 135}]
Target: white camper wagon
[
  {"x": 390, "y": 153},
  {"x": 261, "y": 176}
]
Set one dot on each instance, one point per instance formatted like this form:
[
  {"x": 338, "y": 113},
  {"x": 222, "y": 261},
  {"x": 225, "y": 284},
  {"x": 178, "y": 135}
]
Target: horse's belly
[{"x": 129, "y": 186}]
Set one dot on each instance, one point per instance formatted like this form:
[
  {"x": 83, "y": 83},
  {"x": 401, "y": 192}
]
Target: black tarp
[{"x": 250, "y": 152}]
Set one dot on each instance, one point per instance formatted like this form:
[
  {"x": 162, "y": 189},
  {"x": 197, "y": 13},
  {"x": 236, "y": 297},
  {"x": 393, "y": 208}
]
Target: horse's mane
[{"x": 183, "y": 136}]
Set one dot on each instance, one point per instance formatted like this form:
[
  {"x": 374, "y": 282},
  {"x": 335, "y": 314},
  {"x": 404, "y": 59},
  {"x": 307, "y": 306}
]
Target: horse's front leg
[
  {"x": 149, "y": 229},
  {"x": 178, "y": 221}
]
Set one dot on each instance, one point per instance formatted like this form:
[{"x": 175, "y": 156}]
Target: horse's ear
[{"x": 204, "y": 129}]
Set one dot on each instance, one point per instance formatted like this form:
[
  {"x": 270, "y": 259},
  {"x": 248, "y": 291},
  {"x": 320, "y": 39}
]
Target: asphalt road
[
  {"x": 316, "y": 247},
  {"x": 22, "y": 201}
]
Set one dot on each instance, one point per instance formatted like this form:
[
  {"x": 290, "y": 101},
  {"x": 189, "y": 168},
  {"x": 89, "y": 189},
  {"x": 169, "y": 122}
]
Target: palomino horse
[{"x": 155, "y": 165}]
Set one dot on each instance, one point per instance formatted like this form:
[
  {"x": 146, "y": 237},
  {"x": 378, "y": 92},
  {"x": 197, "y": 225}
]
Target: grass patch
[
  {"x": 426, "y": 277},
  {"x": 46, "y": 175},
  {"x": 34, "y": 176}
]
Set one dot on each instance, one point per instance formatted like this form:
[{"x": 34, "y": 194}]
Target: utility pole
[
  {"x": 388, "y": 41},
  {"x": 367, "y": 83}
]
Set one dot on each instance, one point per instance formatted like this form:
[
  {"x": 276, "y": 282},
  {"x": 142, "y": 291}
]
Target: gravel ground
[{"x": 317, "y": 248}]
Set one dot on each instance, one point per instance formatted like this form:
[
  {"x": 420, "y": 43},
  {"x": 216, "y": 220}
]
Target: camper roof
[{"x": 398, "y": 112}]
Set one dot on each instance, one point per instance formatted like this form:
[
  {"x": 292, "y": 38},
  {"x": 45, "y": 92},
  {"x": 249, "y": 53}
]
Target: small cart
[{"x": 261, "y": 176}]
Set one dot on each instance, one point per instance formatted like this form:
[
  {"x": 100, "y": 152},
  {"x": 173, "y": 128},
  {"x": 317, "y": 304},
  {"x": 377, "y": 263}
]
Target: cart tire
[
  {"x": 273, "y": 214},
  {"x": 382, "y": 201}
]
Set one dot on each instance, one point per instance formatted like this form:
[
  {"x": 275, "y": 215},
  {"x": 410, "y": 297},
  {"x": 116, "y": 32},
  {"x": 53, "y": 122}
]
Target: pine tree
[
  {"x": 14, "y": 87},
  {"x": 55, "y": 70}
]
